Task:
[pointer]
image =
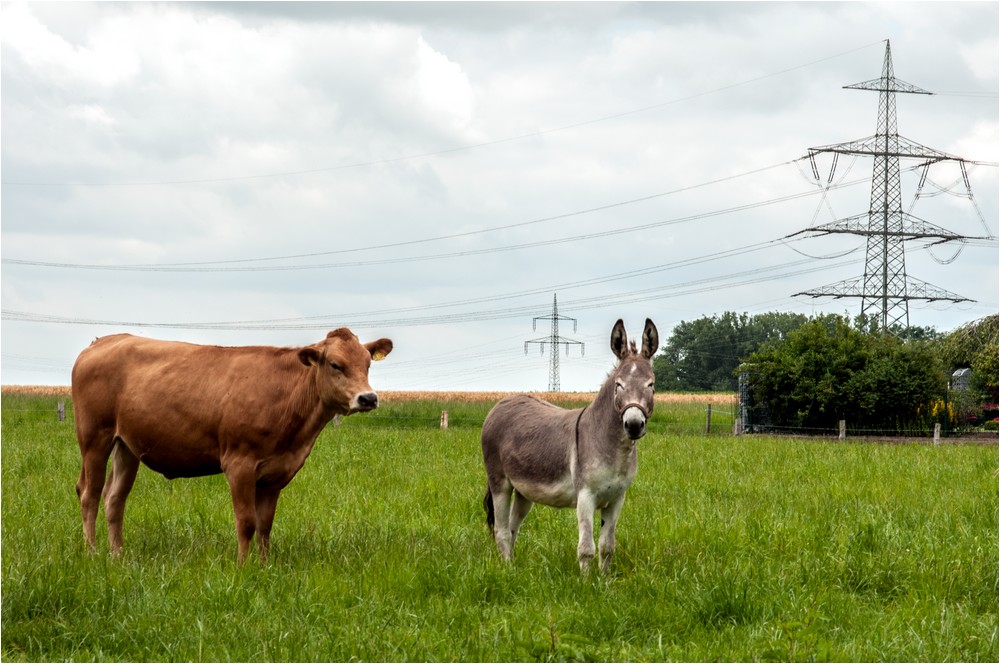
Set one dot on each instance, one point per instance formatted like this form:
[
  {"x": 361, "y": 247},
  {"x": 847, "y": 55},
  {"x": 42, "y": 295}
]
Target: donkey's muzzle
[{"x": 634, "y": 421}]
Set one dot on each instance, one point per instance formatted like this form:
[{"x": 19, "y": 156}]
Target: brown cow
[{"x": 185, "y": 410}]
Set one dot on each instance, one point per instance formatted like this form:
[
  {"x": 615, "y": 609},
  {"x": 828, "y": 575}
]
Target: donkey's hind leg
[
  {"x": 124, "y": 466},
  {"x": 501, "y": 514},
  {"x": 518, "y": 510}
]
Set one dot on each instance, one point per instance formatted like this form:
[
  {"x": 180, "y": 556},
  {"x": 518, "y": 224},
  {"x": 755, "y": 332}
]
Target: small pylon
[{"x": 554, "y": 341}]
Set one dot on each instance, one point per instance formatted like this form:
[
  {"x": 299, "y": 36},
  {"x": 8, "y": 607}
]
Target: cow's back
[
  {"x": 181, "y": 407},
  {"x": 117, "y": 371}
]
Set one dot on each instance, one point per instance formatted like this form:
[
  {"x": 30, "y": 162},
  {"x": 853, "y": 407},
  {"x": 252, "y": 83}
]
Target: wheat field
[{"x": 442, "y": 396}]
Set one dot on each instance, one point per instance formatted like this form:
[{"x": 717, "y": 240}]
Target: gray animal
[{"x": 536, "y": 452}]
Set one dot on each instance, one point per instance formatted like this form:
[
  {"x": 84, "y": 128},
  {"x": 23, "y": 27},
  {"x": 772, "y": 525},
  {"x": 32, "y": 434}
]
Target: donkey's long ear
[
  {"x": 619, "y": 342},
  {"x": 650, "y": 340}
]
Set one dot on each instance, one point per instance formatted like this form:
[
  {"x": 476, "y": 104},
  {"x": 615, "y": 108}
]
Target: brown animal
[{"x": 186, "y": 410}]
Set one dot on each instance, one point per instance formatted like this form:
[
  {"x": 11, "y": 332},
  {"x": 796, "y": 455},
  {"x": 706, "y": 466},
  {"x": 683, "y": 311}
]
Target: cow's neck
[{"x": 307, "y": 416}]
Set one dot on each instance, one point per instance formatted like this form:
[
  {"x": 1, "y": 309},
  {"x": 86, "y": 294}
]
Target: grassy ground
[{"x": 749, "y": 548}]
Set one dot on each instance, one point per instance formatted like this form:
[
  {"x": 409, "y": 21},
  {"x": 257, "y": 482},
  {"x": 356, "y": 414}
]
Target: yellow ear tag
[
  {"x": 378, "y": 356},
  {"x": 312, "y": 361}
]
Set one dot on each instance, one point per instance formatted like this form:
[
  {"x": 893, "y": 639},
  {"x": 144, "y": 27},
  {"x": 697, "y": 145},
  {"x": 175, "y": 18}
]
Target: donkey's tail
[{"x": 488, "y": 506}]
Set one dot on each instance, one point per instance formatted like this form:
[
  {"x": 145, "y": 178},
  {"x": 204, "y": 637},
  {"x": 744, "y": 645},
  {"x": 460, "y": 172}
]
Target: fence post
[
  {"x": 444, "y": 419},
  {"x": 708, "y": 419},
  {"x": 937, "y": 433},
  {"x": 336, "y": 420},
  {"x": 61, "y": 410},
  {"x": 842, "y": 424},
  {"x": 738, "y": 426}
]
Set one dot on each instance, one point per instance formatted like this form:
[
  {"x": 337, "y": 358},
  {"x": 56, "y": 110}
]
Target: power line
[
  {"x": 451, "y": 236},
  {"x": 265, "y": 323},
  {"x": 581, "y": 304},
  {"x": 431, "y": 257}
]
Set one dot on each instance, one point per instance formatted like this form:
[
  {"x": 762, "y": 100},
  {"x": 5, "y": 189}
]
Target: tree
[
  {"x": 702, "y": 355},
  {"x": 823, "y": 373}
]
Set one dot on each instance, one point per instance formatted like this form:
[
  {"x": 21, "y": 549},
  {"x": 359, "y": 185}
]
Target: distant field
[
  {"x": 395, "y": 396},
  {"x": 729, "y": 549}
]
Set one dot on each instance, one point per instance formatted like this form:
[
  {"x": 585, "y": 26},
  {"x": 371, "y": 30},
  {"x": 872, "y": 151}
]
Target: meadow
[{"x": 748, "y": 548}]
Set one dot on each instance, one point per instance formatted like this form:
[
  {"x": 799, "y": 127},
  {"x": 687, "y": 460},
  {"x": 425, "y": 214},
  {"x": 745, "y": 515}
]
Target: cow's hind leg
[
  {"x": 95, "y": 448},
  {"x": 124, "y": 466}
]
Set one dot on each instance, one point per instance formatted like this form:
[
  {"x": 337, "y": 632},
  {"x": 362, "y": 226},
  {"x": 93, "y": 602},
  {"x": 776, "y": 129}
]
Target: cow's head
[{"x": 340, "y": 365}]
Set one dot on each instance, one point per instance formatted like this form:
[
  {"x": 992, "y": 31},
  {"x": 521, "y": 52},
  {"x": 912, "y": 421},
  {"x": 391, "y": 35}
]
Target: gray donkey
[{"x": 541, "y": 453}]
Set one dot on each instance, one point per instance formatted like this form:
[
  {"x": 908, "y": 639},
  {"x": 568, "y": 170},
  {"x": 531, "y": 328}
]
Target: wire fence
[{"x": 717, "y": 422}]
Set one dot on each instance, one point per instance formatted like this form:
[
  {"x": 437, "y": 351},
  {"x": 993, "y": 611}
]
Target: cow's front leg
[
  {"x": 243, "y": 487},
  {"x": 585, "y": 521},
  {"x": 266, "y": 504}
]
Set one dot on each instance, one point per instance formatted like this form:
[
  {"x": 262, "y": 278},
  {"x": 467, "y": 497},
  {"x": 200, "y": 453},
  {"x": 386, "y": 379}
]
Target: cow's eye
[{"x": 336, "y": 367}]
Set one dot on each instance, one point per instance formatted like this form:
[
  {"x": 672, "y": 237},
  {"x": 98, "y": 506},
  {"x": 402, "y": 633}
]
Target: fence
[{"x": 737, "y": 421}]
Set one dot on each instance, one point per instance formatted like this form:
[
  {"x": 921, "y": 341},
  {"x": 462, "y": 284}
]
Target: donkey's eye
[
  {"x": 619, "y": 386},
  {"x": 650, "y": 386}
]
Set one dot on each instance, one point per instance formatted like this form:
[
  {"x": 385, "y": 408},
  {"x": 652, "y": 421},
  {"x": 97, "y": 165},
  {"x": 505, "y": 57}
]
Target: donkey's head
[{"x": 634, "y": 377}]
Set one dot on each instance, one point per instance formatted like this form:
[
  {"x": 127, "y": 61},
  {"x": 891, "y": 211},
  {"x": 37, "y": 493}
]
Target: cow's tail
[{"x": 488, "y": 506}]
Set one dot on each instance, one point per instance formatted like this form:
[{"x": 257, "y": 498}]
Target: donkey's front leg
[
  {"x": 585, "y": 506},
  {"x": 609, "y": 519}
]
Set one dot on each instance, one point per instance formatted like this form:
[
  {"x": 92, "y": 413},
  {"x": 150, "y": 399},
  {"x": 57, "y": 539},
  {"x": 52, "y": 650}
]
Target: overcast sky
[{"x": 435, "y": 172}]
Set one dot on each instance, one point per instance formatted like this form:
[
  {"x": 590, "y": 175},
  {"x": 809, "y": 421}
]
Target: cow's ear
[
  {"x": 379, "y": 349},
  {"x": 309, "y": 356}
]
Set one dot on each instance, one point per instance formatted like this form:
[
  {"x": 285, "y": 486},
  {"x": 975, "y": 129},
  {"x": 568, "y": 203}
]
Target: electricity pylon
[
  {"x": 554, "y": 341},
  {"x": 885, "y": 290}
]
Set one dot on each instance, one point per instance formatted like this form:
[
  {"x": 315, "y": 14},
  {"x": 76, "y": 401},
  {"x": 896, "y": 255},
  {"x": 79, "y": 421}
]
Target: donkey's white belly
[
  {"x": 607, "y": 483},
  {"x": 560, "y": 493}
]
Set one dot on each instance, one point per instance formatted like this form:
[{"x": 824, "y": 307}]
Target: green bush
[{"x": 823, "y": 373}]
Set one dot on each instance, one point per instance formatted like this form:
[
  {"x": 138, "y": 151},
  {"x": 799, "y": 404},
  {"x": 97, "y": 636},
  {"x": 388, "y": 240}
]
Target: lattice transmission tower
[
  {"x": 885, "y": 289},
  {"x": 554, "y": 341}
]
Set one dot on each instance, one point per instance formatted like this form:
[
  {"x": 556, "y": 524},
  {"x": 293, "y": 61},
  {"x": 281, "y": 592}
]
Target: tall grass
[{"x": 750, "y": 548}]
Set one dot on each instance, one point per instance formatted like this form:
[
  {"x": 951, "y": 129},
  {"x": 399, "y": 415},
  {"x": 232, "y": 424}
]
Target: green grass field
[{"x": 729, "y": 549}]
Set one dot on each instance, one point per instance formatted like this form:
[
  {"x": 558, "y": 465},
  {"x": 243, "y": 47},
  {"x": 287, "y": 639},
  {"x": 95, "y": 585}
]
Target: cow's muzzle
[{"x": 364, "y": 402}]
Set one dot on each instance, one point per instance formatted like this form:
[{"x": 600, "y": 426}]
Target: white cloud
[
  {"x": 102, "y": 62},
  {"x": 90, "y": 114},
  {"x": 218, "y": 94}
]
